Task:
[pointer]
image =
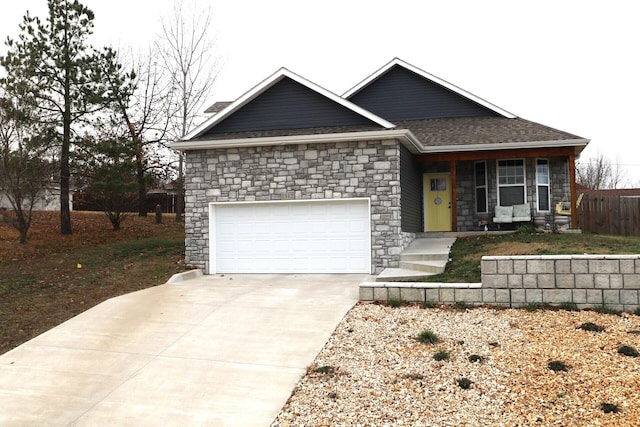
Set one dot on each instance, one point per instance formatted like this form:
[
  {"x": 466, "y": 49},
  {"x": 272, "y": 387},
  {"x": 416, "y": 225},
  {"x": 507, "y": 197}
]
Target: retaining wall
[{"x": 515, "y": 281}]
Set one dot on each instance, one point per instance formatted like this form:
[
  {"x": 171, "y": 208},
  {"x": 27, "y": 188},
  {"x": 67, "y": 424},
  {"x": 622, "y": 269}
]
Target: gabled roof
[
  {"x": 269, "y": 82},
  {"x": 396, "y": 62}
]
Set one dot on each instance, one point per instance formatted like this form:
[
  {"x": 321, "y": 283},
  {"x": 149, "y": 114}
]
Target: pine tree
[{"x": 54, "y": 70}]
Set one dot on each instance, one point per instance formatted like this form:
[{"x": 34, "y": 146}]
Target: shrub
[
  {"x": 609, "y": 407},
  {"x": 637, "y": 311},
  {"x": 606, "y": 310},
  {"x": 325, "y": 370},
  {"x": 558, "y": 365},
  {"x": 461, "y": 305},
  {"x": 464, "y": 383},
  {"x": 591, "y": 327},
  {"x": 568, "y": 306},
  {"x": 535, "y": 306},
  {"x": 395, "y": 302},
  {"x": 428, "y": 337},
  {"x": 628, "y": 351},
  {"x": 428, "y": 304},
  {"x": 441, "y": 355},
  {"x": 475, "y": 358}
]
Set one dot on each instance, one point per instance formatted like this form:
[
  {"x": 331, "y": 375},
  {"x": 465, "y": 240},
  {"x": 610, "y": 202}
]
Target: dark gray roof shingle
[{"x": 481, "y": 130}]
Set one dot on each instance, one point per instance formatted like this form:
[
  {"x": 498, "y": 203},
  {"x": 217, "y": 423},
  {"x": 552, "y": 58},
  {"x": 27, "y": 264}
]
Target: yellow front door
[{"x": 437, "y": 199}]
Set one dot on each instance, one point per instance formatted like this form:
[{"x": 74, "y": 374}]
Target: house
[{"x": 291, "y": 177}]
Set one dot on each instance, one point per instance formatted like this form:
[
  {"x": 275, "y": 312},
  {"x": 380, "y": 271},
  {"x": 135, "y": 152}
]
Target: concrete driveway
[{"x": 211, "y": 351}]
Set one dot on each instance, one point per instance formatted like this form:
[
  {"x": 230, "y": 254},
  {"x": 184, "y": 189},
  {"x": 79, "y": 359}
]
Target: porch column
[
  {"x": 454, "y": 196},
  {"x": 572, "y": 180}
]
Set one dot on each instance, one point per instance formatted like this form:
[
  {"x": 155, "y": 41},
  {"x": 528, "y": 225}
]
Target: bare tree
[
  {"x": 600, "y": 173},
  {"x": 142, "y": 108},
  {"x": 25, "y": 172},
  {"x": 187, "y": 47}
]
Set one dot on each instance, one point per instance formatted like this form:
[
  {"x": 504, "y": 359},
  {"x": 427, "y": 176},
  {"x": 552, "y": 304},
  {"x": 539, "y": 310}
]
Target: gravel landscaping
[{"x": 495, "y": 368}]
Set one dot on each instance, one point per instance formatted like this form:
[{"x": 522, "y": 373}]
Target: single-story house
[{"x": 291, "y": 177}]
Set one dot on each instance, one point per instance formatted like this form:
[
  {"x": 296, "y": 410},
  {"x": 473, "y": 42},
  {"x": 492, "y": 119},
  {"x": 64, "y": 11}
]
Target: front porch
[{"x": 459, "y": 191}]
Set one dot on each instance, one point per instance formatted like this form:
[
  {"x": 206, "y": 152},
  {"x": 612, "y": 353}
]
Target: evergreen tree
[{"x": 54, "y": 70}]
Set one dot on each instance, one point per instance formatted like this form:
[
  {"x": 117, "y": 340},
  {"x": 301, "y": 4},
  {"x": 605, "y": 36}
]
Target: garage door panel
[{"x": 310, "y": 237}]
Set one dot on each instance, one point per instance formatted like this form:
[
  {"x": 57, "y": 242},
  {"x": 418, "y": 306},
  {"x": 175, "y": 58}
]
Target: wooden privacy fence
[{"x": 617, "y": 215}]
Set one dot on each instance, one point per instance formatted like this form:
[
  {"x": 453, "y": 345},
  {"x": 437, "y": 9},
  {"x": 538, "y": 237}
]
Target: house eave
[
  {"x": 405, "y": 136},
  {"x": 578, "y": 144}
]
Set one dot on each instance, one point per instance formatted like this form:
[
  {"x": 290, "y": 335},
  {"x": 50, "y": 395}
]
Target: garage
[{"x": 311, "y": 236}]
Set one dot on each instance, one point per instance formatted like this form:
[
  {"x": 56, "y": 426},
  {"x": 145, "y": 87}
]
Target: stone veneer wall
[
  {"x": 368, "y": 169},
  {"x": 516, "y": 281}
]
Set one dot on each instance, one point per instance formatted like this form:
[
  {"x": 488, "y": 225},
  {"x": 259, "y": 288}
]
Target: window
[
  {"x": 481, "y": 187},
  {"x": 542, "y": 179},
  {"x": 511, "y": 188}
]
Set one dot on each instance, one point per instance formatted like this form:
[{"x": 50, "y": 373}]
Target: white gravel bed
[{"x": 373, "y": 371}]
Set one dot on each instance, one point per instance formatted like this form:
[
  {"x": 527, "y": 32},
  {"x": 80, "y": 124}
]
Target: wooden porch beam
[
  {"x": 572, "y": 181},
  {"x": 495, "y": 154},
  {"x": 454, "y": 196}
]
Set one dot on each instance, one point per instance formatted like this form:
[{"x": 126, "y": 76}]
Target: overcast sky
[{"x": 572, "y": 65}]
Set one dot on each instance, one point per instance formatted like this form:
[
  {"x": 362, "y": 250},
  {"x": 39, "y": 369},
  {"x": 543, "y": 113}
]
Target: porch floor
[{"x": 424, "y": 257}]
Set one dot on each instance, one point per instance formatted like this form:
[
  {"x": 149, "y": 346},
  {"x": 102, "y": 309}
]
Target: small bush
[
  {"x": 428, "y": 304},
  {"x": 535, "y": 306},
  {"x": 476, "y": 358},
  {"x": 461, "y": 305},
  {"x": 591, "y": 327},
  {"x": 325, "y": 370},
  {"x": 558, "y": 365},
  {"x": 464, "y": 383},
  {"x": 628, "y": 351},
  {"x": 395, "y": 302},
  {"x": 606, "y": 310},
  {"x": 441, "y": 355},
  {"x": 568, "y": 306},
  {"x": 428, "y": 337},
  {"x": 609, "y": 407},
  {"x": 637, "y": 311}
]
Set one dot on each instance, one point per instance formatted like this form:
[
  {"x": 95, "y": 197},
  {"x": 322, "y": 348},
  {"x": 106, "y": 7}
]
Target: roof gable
[
  {"x": 286, "y": 101},
  {"x": 400, "y": 91}
]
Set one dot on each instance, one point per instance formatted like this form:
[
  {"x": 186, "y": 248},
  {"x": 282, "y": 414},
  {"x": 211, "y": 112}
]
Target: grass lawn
[
  {"x": 467, "y": 252},
  {"x": 52, "y": 277}
]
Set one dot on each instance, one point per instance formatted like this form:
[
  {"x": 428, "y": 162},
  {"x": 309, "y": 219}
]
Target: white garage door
[{"x": 328, "y": 236}]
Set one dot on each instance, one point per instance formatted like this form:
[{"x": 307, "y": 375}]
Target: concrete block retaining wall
[{"x": 515, "y": 281}]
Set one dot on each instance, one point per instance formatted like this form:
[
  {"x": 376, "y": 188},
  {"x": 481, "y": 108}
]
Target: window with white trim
[
  {"x": 511, "y": 182},
  {"x": 481, "y": 186},
  {"x": 543, "y": 185}
]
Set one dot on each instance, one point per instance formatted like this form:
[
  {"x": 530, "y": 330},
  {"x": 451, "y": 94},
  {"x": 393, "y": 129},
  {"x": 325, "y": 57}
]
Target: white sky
[{"x": 567, "y": 64}]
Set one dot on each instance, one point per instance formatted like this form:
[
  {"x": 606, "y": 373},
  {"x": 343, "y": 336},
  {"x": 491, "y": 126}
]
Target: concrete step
[
  {"x": 421, "y": 256},
  {"x": 433, "y": 267},
  {"x": 401, "y": 274}
]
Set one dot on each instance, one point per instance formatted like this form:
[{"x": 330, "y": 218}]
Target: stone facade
[{"x": 363, "y": 169}]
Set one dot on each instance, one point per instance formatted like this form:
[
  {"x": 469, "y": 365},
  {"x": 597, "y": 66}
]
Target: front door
[{"x": 437, "y": 199}]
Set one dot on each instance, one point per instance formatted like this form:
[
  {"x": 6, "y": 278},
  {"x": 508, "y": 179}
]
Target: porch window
[
  {"x": 481, "y": 187},
  {"x": 511, "y": 188},
  {"x": 542, "y": 179}
]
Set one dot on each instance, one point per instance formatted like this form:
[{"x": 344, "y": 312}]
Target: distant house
[
  {"x": 50, "y": 200},
  {"x": 293, "y": 178}
]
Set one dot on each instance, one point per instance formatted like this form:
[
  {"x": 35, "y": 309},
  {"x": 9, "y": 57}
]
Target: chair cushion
[
  {"x": 504, "y": 211},
  {"x": 522, "y": 211}
]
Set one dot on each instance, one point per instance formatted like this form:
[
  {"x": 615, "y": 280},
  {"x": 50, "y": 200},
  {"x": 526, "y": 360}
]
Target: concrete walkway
[{"x": 211, "y": 351}]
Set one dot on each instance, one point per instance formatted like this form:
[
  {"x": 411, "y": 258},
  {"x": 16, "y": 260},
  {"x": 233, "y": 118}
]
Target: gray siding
[
  {"x": 401, "y": 94},
  {"x": 288, "y": 105},
  {"x": 411, "y": 187}
]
